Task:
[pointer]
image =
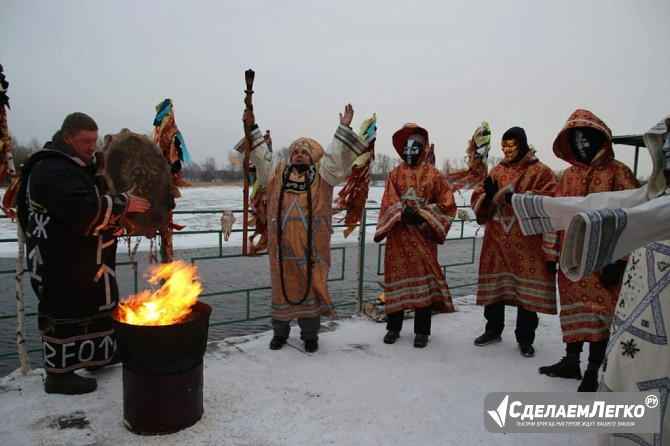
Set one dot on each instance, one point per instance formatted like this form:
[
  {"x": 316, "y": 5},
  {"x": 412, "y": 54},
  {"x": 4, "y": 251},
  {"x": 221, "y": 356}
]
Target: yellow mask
[{"x": 510, "y": 148}]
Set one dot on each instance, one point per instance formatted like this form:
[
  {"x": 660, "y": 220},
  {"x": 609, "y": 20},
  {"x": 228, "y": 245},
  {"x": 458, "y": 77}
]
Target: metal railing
[{"x": 242, "y": 306}]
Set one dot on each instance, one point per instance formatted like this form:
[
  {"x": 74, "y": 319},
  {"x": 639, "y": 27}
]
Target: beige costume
[{"x": 300, "y": 221}]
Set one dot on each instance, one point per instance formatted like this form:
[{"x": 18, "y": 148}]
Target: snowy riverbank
[{"x": 355, "y": 390}]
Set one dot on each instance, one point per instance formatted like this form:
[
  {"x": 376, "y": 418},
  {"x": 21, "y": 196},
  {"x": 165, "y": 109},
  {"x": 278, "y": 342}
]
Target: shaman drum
[{"x": 131, "y": 161}]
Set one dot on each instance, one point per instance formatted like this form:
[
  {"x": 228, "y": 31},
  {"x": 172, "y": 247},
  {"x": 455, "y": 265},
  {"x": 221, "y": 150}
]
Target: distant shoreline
[{"x": 215, "y": 183}]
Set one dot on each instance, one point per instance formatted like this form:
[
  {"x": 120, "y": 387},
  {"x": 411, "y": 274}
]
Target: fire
[{"x": 170, "y": 304}]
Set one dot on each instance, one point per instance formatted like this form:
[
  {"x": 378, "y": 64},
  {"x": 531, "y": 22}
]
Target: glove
[
  {"x": 491, "y": 187},
  {"x": 410, "y": 217},
  {"x": 552, "y": 267},
  {"x": 612, "y": 274}
]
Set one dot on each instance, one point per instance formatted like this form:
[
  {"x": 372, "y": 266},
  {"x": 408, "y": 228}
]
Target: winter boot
[
  {"x": 565, "y": 368},
  {"x": 277, "y": 342},
  {"x": 69, "y": 384},
  {"x": 487, "y": 338},
  {"x": 391, "y": 336},
  {"x": 590, "y": 381},
  {"x": 311, "y": 345},
  {"x": 526, "y": 350},
  {"x": 420, "y": 340}
]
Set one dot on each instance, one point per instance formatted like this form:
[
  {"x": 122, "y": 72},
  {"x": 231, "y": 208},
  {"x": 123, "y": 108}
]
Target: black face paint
[
  {"x": 586, "y": 142},
  {"x": 412, "y": 151}
]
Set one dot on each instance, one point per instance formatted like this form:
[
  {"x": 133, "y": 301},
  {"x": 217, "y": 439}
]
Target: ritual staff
[
  {"x": 606, "y": 226},
  {"x": 587, "y": 305},
  {"x": 71, "y": 231},
  {"x": 512, "y": 267},
  {"x": 416, "y": 213},
  {"x": 300, "y": 210}
]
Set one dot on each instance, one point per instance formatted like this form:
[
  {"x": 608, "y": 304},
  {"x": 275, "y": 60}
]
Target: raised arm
[
  {"x": 345, "y": 147},
  {"x": 260, "y": 154}
]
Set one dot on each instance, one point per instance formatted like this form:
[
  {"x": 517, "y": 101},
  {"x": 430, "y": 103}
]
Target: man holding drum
[{"x": 71, "y": 232}]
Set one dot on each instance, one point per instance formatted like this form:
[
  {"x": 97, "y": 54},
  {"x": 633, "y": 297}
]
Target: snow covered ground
[{"x": 355, "y": 390}]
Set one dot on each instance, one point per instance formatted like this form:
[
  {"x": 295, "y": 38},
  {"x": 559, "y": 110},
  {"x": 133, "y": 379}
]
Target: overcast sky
[{"x": 444, "y": 64}]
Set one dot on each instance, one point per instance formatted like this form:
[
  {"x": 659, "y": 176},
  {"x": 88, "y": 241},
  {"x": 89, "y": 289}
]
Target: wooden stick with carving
[{"x": 249, "y": 79}]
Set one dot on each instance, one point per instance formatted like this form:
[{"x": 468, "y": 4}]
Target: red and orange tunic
[
  {"x": 586, "y": 305},
  {"x": 512, "y": 266},
  {"x": 413, "y": 277}
]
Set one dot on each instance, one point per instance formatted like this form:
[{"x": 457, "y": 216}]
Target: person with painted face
[
  {"x": 299, "y": 214},
  {"x": 512, "y": 269},
  {"x": 588, "y": 304},
  {"x": 610, "y": 225},
  {"x": 416, "y": 213}
]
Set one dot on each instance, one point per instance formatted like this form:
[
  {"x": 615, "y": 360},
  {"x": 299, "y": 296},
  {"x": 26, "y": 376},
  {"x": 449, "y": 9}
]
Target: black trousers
[
  {"x": 422, "y": 320},
  {"x": 526, "y": 322},
  {"x": 309, "y": 327},
  {"x": 596, "y": 350}
]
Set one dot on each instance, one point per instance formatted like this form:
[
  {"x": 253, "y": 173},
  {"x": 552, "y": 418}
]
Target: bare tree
[
  {"x": 282, "y": 155},
  {"x": 34, "y": 145},
  {"x": 191, "y": 172},
  {"x": 208, "y": 168},
  {"x": 20, "y": 153},
  {"x": 383, "y": 165}
]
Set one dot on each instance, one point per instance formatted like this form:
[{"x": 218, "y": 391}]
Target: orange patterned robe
[
  {"x": 412, "y": 274},
  {"x": 512, "y": 266},
  {"x": 587, "y": 306}
]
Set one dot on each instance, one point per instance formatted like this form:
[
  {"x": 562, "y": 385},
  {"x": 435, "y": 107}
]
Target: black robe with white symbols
[{"x": 71, "y": 257}]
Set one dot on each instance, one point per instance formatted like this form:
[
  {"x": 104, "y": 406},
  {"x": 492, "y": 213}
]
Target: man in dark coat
[{"x": 70, "y": 231}]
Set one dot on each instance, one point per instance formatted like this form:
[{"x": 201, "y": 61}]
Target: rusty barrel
[{"x": 163, "y": 372}]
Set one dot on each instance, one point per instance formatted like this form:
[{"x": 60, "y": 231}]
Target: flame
[{"x": 168, "y": 305}]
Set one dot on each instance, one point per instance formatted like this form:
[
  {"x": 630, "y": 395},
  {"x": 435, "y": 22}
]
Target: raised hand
[{"x": 348, "y": 115}]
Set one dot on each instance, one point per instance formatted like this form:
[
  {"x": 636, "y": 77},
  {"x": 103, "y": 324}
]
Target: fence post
[{"x": 361, "y": 261}]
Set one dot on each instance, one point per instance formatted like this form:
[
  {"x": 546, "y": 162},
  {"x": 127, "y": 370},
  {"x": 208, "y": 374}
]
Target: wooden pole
[
  {"x": 5, "y": 144},
  {"x": 20, "y": 306},
  {"x": 249, "y": 79}
]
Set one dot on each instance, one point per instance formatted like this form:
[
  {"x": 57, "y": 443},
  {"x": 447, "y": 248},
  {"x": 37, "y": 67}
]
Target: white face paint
[
  {"x": 412, "y": 151},
  {"x": 581, "y": 144}
]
